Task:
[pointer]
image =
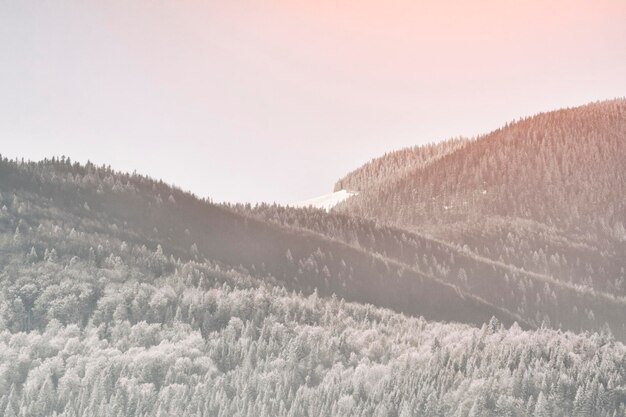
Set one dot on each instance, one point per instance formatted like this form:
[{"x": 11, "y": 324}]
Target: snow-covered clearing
[{"x": 326, "y": 201}]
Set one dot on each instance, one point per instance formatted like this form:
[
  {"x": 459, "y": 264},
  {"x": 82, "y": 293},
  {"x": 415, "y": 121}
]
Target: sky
[{"x": 249, "y": 101}]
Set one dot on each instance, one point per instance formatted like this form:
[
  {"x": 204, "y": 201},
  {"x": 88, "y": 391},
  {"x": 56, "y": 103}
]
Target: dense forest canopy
[
  {"x": 94, "y": 322},
  {"x": 544, "y": 195},
  {"x": 563, "y": 169},
  {"x": 470, "y": 278}
]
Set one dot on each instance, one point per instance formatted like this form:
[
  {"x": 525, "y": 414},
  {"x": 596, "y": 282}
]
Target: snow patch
[{"x": 326, "y": 201}]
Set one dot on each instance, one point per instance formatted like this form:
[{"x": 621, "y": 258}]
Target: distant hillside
[
  {"x": 105, "y": 206},
  {"x": 539, "y": 298},
  {"x": 545, "y": 193},
  {"x": 122, "y": 296},
  {"x": 469, "y": 278},
  {"x": 564, "y": 169},
  {"x": 380, "y": 172}
]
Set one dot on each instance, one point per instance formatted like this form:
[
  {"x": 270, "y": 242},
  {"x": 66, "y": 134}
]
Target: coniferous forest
[{"x": 475, "y": 277}]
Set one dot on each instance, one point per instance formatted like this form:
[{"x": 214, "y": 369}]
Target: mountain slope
[
  {"x": 140, "y": 211},
  {"x": 538, "y": 298},
  {"x": 98, "y": 318},
  {"x": 563, "y": 168},
  {"x": 381, "y": 171},
  {"x": 125, "y": 331},
  {"x": 545, "y": 194}
]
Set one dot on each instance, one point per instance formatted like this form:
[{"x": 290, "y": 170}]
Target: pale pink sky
[{"x": 275, "y": 100}]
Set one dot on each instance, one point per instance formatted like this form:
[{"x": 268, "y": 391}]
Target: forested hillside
[
  {"x": 381, "y": 172},
  {"x": 545, "y": 194},
  {"x": 537, "y": 298},
  {"x": 99, "y": 318},
  {"x": 467, "y": 279},
  {"x": 564, "y": 169},
  {"x": 137, "y": 210}
]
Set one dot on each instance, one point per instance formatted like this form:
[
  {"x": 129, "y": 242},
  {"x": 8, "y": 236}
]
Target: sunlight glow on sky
[{"x": 275, "y": 100}]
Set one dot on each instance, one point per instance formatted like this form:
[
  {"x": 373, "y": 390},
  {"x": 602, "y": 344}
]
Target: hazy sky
[{"x": 275, "y": 100}]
